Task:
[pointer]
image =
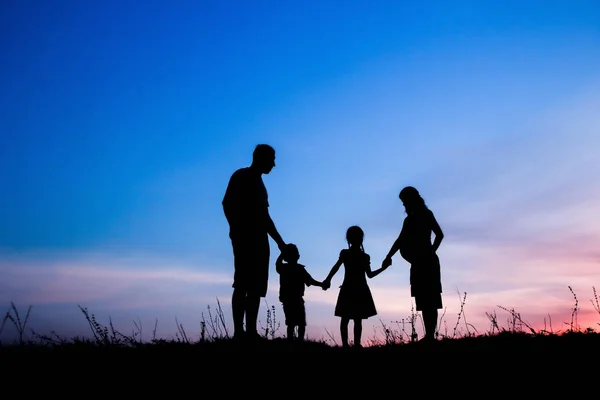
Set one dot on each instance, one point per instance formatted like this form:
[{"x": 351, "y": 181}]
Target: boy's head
[{"x": 291, "y": 253}]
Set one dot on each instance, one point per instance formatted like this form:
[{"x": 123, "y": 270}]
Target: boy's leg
[
  {"x": 288, "y": 314},
  {"x": 301, "y": 320}
]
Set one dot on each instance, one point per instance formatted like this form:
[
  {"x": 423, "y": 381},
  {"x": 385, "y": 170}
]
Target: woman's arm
[
  {"x": 395, "y": 247},
  {"x": 373, "y": 274},
  {"x": 437, "y": 230}
]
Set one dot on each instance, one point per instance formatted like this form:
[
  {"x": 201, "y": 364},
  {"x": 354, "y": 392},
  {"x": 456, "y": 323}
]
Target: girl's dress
[
  {"x": 355, "y": 300},
  {"x": 417, "y": 249}
]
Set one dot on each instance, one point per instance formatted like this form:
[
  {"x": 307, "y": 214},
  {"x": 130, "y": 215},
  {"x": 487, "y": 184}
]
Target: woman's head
[
  {"x": 355, "y": 236},
  {"x": 411, "y": 199}
]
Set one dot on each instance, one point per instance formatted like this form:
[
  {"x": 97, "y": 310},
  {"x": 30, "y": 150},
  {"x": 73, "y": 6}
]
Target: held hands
[
  {"x": 326, "y": 284},
  {"x": 386, "y": 262},
  {"x": 282, "y": 246}
]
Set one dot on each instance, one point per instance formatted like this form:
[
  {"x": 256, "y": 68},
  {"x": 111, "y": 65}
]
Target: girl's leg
[
  {"x": 357, "y": 332},
  {"x": 344, "y": 331}
]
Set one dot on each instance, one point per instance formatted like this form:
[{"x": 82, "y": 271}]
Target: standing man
[{"x": 246, "y": 208}]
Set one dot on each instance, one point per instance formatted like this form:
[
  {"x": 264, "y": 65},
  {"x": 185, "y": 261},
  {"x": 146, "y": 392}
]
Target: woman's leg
[{"x": 430, "y": 315}]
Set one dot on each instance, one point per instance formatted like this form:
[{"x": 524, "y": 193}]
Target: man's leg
[
  {"x": 258, "y": 281},
  {"x": 301, "y": 332},
  {"x": 238, "y": 309},
  {"x": 240, "y": 285},
  {"x": 252, "y": 307}
]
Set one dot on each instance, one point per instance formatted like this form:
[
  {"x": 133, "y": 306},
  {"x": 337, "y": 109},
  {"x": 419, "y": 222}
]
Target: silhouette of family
[{"x": 246, "y": 208}]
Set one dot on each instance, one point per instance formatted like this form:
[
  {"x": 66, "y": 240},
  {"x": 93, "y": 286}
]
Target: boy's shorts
[{"x": 295, "y": 313}]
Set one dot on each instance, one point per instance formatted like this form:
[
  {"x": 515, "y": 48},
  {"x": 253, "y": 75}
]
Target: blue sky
[{"x": 121, "y": 122}]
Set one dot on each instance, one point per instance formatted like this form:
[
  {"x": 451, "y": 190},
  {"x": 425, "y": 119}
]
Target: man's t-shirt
[
  {"x": 246, "y": 203},
  {"x": 293, "y": 279}
]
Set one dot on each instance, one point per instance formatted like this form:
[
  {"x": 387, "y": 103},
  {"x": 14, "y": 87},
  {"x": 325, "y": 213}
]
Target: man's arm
[
  {"x": 231, "y": 199},
  {"x": 272, "y": 230}
]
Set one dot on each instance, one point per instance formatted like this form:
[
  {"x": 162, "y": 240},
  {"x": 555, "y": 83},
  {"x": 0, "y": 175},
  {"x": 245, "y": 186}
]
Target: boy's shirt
[{"x": 293, "y": 278}]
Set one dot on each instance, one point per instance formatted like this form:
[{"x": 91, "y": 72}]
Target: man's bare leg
[
  {"x": 238, "y": 309},
  {"x": 252, "y": 307}
]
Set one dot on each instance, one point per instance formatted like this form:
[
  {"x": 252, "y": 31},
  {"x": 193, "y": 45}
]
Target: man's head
[
  {"x": 263, "y": 158},
  {"x": 291, "y": 253}
]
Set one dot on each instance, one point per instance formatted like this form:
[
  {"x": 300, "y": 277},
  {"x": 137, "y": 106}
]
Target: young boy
[{"x": 293, "y": 278}]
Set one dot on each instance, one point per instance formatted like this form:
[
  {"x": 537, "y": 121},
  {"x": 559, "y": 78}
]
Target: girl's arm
[
  {"x": 373, "y": 274},
  {"x": 334, "y": 269}
]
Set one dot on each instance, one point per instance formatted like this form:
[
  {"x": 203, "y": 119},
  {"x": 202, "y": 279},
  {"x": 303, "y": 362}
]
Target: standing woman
[{"x": 415, "y": 246}]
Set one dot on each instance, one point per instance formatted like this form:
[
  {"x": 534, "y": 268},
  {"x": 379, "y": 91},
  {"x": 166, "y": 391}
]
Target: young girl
[{"x": 355, "y": 301}]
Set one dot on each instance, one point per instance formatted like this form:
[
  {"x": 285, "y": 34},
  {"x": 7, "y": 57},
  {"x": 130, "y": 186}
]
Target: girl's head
[
  {"x": 411, "y": 199},
  {"x": 355, "y": 236}
]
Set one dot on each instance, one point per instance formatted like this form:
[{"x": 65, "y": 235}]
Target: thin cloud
[{"x": 84, "y": 281}]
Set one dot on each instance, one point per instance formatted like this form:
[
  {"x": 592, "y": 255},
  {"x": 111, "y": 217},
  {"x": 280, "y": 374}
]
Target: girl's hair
[
  {"x": 355, "y": 236},
  {"x": 412, "y": 199}
]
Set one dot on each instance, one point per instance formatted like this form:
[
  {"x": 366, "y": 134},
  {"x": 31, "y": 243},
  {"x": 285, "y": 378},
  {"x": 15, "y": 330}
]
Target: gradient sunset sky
[{"x": 122, "y": 121}]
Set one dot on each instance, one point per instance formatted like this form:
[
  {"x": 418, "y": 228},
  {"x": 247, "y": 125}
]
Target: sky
[{"x": 122, "y": 121}]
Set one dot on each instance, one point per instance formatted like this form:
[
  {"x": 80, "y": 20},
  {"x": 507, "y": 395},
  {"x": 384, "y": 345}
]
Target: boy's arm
[
  {"x": 279, "y": 263},
  {"x": 310, "y": 281}
]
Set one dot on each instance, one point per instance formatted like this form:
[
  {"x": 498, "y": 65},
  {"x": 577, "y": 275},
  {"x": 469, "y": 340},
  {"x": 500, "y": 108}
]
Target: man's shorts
[{"x": 251, "y": 261}]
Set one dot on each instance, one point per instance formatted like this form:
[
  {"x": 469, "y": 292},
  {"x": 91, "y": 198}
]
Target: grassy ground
[{"x": 214, "y": 338}]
